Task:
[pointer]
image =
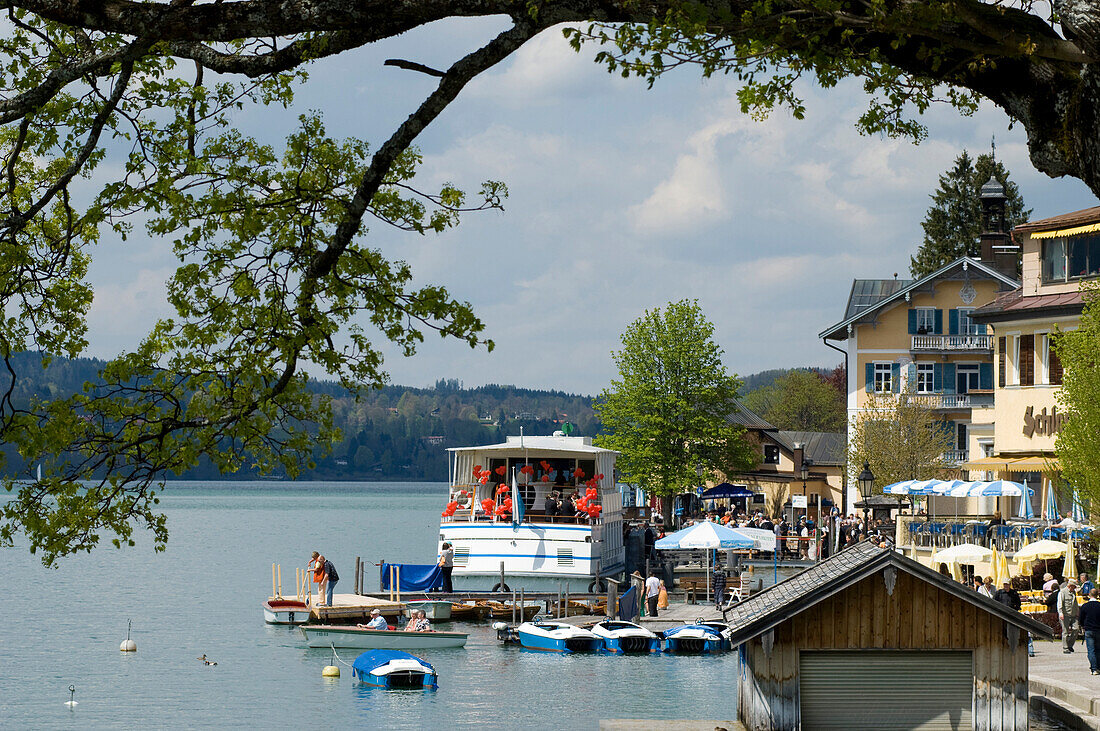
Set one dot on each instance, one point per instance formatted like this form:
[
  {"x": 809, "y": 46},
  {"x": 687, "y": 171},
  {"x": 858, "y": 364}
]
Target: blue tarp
[{"x": 414, "y": 577}]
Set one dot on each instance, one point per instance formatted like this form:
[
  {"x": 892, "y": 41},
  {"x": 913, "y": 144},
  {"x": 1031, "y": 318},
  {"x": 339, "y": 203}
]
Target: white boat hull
[
  {"x": 285, "y": 612},
  {"x": 437, "y": 610},
  {"x": 370, "y": 639}
]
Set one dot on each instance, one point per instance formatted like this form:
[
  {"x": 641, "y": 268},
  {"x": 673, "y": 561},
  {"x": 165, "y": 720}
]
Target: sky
[{"x": 622, "y": 199}]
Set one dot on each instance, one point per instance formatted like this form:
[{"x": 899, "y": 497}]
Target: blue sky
[{"x": 622, "y": 199}]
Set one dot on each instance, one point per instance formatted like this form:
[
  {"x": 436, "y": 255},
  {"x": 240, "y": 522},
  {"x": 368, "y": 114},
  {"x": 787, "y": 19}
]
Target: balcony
[
  {"x": 953, "y": 343},
  {"x": 951, "y": 401},
  {"x": 956, "y": 456}
]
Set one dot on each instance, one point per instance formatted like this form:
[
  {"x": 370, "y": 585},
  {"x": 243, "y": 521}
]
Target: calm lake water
[{"x": 63, "y": 626}]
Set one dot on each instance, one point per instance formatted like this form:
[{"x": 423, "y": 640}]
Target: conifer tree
[{"x": 953, "y": 223}]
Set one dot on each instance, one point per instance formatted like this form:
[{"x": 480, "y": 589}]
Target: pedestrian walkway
[{"x": 1065, "y": 679}]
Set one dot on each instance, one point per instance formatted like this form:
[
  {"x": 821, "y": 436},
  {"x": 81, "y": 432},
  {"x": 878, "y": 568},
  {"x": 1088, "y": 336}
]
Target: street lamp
[{"x": 866, "y": 482}]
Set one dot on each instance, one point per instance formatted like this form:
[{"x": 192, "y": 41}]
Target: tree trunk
[{"x": 666, "y": 510}]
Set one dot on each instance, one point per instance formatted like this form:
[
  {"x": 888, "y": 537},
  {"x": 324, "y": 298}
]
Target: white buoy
[
  {"x": 128, "y": 645},
  {"x": 71, "y": 703},
  {"x": 330, "y": 671}
]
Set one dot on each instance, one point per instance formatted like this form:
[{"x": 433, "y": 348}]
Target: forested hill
[{"x": 394, "y": 433}]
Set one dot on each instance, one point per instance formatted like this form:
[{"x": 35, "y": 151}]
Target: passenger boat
[
  {"x": 392, "y": 669},
  {"x": 550, "y": 636},
  {"x": 496, "y": 514},
  {"x": 623, "y": 637},
  {"x": 433, "y": 609},
  {"x": 695, "y": 639},
  {"x": 285, "y": 611},
  {"x": 327, "y": 635}
]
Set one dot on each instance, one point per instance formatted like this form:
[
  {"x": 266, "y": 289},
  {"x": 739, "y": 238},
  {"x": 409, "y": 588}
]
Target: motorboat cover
[{"x": 376, "y": 660}]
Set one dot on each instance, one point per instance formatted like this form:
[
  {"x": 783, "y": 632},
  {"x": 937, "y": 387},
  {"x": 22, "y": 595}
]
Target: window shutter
[
  {"x": 895, "y": 377},
  {"x": 1027, "y": 360},
  {"x": 949, "y": 378},
  {"x": 937, "y": 377},
  {"x": 939, "y": 323},
  {"x": 1002, "y": 356},
  {"x": 869, "y": 377},
  {"x": 985, "y": 376},
  {"x": 982, "y": 330},
  {"x": 1055, "y": 364},
  {"x": 912, "y": 321},
  {"x": 952, "y": 322}
]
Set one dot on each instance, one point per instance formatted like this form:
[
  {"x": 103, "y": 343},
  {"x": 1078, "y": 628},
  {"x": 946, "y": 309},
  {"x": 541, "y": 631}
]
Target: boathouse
[{"x": 872, "y": 639}]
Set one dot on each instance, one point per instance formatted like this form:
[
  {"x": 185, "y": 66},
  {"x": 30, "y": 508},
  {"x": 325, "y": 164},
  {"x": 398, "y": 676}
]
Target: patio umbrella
[
  {"x": 1026, "y": 511},
  {"x": 968, "y": 553},
  {"x": 1050, "y": 512},
  {"x": 1024, "y": 563},
  {"x": 706, "y": 536},
  {"x": 997, "y": 488},
  {"x": 1001, "y": 571},
  {"x": 1069, "y": 569},
  {"x": 1041, "y": 549},
  {"x": 956, "y": 571},
  {"x": 763, "y": 540},
  {"x": 1078, "y": 514}
]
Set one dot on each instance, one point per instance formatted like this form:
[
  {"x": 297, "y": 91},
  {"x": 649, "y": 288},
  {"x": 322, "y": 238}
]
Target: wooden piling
[{"x": 357, "y": 560}]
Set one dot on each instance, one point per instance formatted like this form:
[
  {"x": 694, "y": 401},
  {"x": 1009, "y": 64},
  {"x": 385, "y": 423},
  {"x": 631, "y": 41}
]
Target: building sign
[
  {"x": 798, "y": 501},
  {"x": 1043, "y": 424}
]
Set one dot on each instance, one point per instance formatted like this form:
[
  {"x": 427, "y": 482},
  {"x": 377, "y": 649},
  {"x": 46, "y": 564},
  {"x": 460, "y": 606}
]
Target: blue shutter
[
  {"x": 869, "y": 377},
  {"x": 939, "y": 323},
  {"x": 952, "y": 322},
  {"x": 912, "y": 321},
  {"x": 895, "y": 376},
  {"x": 981, "y": 328},
  {"x": 949, "y": 378},
  {"x": 937, "y": 377},
  {"x": 985, "y": 376}
]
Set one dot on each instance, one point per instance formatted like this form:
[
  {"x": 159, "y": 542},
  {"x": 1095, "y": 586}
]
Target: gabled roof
[
  {"x": 771, "y": 607},
  {"x": 869, "y": 292},
  {"x": 1064, "y": 220},
  {"x": 824, "y": 448},
  {"x": 839, "y": 331},
  {"x": 744, "y": 416}
]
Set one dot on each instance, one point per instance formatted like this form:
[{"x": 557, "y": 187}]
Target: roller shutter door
[{"x": 886, "y": 689}]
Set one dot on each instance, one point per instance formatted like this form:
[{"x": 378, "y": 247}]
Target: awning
[
  {"x": 1013, "y": 464},
  {"x": 1075, "y": 231}
]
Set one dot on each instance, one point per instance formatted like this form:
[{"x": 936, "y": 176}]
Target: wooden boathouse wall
[{"x": 916, "y": 615}]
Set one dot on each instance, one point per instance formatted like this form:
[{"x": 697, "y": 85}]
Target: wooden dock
[{"x": 348, "y": 608}]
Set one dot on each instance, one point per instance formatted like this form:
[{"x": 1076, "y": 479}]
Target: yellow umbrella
[
  {"x": 1069, "y": 570},
  {"x": 995, "y": 568},
  {"x": 956, "y": 571},
  {"x": 1024, "y": 564},
  {"x": 932, "y": 561},
  {"x": 1002, "y": 569},
  {"x": 1041, "y": 549}
]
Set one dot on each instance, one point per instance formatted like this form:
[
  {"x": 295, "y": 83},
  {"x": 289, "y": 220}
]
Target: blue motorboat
[
  {"x": 548, "y": 636},
  {"x": 695, "y": 639},
  {"x": 626, "y": 637},
  {"x": 393, "y": 669}
]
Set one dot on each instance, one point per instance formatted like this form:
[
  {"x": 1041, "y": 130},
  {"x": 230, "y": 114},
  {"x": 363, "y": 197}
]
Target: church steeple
[{"x": 998, "y": 248}]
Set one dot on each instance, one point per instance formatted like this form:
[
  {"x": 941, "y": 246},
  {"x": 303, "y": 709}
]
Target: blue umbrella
[
  {"x": 998, "y": 488},
  {"x": 1026, "y": 511},
  {"x": 1078, "y": 511},
  {"x": 704, "y": 535},
  {"x": 1050, "y": 512}
]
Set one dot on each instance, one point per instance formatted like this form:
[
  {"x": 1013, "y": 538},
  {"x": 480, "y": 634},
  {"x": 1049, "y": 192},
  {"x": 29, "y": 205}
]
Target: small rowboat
[
  {"x": 499, "y": 610},
  {"x": 327, "y": 635},
  {"x": 285, "y": 611},
  {"x": 696, "y": 639},
  {"x": 393, "y": 669},
  {"x": 557, "y": 637},
  {"x": 468, "y": 612},
  {"x": 624, "y": 637}
]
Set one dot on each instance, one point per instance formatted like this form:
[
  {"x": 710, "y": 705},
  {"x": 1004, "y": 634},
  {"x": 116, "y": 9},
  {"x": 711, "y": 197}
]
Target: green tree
[
  {"x": 953, "y": 224},
  {"x": 800, "y": 401},
  {"x": 668, "y": 412},
  {"x": 1079, "y": 352},
  {"x": 900, "y": 438}
]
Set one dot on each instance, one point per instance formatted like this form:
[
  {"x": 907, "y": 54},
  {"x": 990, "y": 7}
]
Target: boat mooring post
[
  {"x": 357, "y": 575},
  {"x": 363, "y": 576},
  {"x": 513, "y": 607},
  {"x": 502, "y": 589},
  {"x": 558, "y": 607},
  {"x": 566, "y": 602},
  {"x": 522, "y": 604}
]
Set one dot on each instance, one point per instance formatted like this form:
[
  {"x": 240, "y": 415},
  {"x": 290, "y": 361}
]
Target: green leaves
[
  {"x": 1079, "y": 397},
  {"x": 668, "y": 413}
]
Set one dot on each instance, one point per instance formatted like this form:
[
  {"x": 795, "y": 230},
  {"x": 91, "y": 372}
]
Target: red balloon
[
  {"x": 501, "y": 470},
  {"x": 578, "y": 473},
  {"x": 546, "y": 478}
]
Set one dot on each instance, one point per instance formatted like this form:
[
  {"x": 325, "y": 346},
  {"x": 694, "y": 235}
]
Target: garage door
[{"x": 886, "y": 689}]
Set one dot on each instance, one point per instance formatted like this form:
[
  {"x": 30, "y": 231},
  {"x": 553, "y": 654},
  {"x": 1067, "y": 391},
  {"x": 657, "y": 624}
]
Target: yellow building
[
  {"x": 919, "y": 339},
  {"x": 1058, "y": 253}
]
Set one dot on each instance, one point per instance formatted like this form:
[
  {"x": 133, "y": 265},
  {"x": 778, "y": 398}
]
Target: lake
[{"x": 203, "y": 595}]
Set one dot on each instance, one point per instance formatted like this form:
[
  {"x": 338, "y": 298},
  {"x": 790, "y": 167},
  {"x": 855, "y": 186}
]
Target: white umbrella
[
  {"x": 968, "y": 553},
  {"x": 707, "y": 536}
]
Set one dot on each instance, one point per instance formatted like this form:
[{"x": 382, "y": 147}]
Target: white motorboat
[
  {"x": 623, "y": 637},
  {"x": 434, "y": 609},
  {"x": 538, "y": 550},
  {"x": 285, "y": 611},
  {"x": 557, "y": 637},
  {"x": 327, "y": 635},
  {"x": 392, "y": 669},
  {"x": 694, "y": 639}
]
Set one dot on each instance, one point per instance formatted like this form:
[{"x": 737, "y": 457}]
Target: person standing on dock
[
  {"x": 652, "y": 591},
  {"x": 1067, "y": 614},
  {"x": 1090, "y": 623},
  {"x": 331, "y": 577},
  {"x": 446, "y": 566},
  {"x": 317, "y": 562}
]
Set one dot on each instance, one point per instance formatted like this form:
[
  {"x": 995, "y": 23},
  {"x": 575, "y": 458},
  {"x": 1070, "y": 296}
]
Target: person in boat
[
  {"x": 418, "y": 621},
  {"x": 377, "y": 621}
]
